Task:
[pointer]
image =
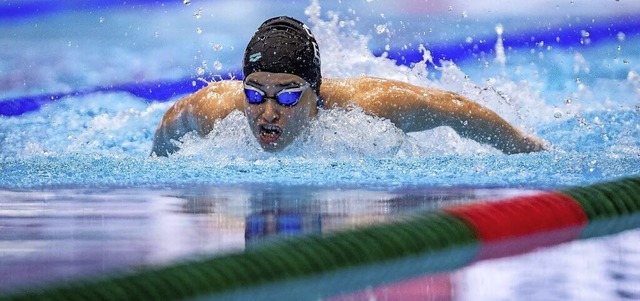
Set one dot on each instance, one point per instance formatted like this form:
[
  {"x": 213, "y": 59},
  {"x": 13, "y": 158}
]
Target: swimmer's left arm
[
  {"x": 414, "y": 108},
  {"x": 472, "y": 120}
]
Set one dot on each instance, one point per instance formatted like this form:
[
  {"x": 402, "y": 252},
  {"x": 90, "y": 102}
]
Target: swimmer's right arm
[{"x": 197, "y": 112}]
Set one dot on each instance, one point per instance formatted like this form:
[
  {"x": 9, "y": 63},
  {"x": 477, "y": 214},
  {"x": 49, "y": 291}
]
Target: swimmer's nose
[{"x": 270, "y": 113}]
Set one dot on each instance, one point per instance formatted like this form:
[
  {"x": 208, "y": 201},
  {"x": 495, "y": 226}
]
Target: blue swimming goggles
[{"x": 288, "y": 97}]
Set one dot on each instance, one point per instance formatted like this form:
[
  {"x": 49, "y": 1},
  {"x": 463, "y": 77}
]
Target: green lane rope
[
  {"x": 452, "y": 238},
  {"x": 610, "y": 207}
]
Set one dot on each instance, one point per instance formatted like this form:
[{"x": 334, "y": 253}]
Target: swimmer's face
[{"x": 273, "y": 124}]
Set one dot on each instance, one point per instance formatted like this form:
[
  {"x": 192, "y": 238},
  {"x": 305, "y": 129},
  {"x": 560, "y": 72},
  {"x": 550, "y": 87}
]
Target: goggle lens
[
  {"x": 253, "y": 96},
  {"x": 286, "y": 97},
  {"x": 289, "y": 98}
]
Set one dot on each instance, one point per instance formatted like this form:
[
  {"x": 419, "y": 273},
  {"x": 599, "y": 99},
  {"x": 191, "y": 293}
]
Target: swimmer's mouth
[{"x": 269, "y": 133}]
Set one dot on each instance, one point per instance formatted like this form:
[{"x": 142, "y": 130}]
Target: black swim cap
[{"x": 284, "y": 45}]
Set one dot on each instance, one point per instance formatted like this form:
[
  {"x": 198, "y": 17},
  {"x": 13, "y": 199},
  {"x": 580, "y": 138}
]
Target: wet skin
[
  {"x": 274, "y": 125},
  {"x": 411, "y": 108}
]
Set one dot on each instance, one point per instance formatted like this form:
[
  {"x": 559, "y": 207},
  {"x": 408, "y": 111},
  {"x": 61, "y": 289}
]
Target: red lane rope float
[
  {"x": 522, "y": 224},
  {"x": 318, "y": 266}
]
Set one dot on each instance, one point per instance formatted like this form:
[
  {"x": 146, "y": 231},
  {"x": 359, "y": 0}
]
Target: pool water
[{"x": 80, "y": 194}]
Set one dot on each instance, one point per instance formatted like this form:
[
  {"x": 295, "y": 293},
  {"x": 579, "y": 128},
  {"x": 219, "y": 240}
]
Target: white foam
[
  {"x": 109, "y": 124},
  {"x": 337, "y": 134}
]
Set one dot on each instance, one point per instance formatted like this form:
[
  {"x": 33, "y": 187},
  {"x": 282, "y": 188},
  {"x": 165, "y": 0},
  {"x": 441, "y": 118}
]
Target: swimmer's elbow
[
  {"x": 163, "y": 148},
  {"x": 171, "y": 128},
  {"x": 162, "y": 145}
]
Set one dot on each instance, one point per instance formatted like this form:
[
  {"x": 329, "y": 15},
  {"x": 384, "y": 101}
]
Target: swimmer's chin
[{"x": 272, "y": 147}]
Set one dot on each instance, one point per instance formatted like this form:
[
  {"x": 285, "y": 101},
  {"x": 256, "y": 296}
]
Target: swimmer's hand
[{"x": 529, "y": 144}]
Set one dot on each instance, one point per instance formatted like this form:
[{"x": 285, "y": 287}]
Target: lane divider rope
[{"x": 469, "y": 233}]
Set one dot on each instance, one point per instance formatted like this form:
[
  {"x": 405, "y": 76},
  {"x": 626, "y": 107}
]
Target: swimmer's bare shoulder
[
  {"x": 415, "y": 108},
  {"x": 411, "y": 108},
  {"x": 197, "y": 112}
]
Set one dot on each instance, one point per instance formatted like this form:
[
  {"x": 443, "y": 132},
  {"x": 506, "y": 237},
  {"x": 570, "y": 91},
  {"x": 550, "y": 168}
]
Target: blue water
[
  {"x": 578, "y": 91},
  {"x": 109, "y": 72}
]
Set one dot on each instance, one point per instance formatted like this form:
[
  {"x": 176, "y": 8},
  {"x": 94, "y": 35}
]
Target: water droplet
[
  {"x": 217, "y": 65},
  {"x": 217, "y": 47},
  {"x": 499, "y": 29},
  {"x": 621, "y": 36},
  {"x": 584, "y": 33},
  {"x": 568, "y": 101},
  {"x": 581, "y": 120},
  {"x": 381, "y": 28},
  {"x": 464, "y": 14},
  {"x": 578, "y": 80},
  {"x": 469, "y": 40},
  {"x": 156, "y": 34},
  {"x": 198, "y": 13},
  {"x": 198, "y": 30},
  {"x": 557, "y": 115},
  {"x": 186, "y": 2},
  {"x": 101, "y": 19},
  {"x": 619, "y": 47},
  {"x": 450, "y": 7},
  {"x": 625, "y": 61},
  {"x": 200, "y": 71},
  {"x": 387, "y": 47}
]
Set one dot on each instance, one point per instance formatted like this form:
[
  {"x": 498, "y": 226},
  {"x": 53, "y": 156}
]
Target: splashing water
[
  {"x": 500, "y": 56},
  {"x": 105, "y": 138}
]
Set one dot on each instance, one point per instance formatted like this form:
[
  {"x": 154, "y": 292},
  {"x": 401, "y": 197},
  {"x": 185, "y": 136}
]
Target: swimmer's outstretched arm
[
  {"x": 197, "y": 112},
  {"x": 414, "y": 108}
]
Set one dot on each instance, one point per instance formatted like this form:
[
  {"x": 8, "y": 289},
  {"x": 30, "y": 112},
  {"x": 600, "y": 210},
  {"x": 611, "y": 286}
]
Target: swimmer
[{"x": 283, "y": 90}]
